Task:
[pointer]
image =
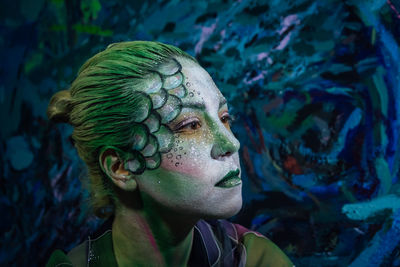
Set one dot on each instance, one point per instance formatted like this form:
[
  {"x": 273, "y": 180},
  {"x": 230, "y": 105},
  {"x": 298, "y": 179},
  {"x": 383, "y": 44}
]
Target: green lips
[{"x": 231, "y": 179}]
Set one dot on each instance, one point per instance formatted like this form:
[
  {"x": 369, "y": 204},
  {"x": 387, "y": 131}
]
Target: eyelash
[
  {"x": 229, "y": 119},
  {"x": 193, "y": 124}
]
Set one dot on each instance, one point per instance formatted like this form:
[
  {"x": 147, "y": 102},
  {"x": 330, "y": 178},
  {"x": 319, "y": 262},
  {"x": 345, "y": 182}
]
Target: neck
[{"x": 151, "y": 238}]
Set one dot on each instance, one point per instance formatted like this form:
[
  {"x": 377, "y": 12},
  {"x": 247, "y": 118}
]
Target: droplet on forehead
[
  {"x": 173, "y": 81},
  {"x": 153, "y": 162},
  {"x": 159, "y": 98},
  {"x": 179, "y": 91},
  {"x": 151, "y": 148},
  {"x": 137, "y": 164},
  {"x": 150, "y": 83},
  {"x": 171, "y": 109},
  {"x": 140, "y": 137},
  {"x": 153, "y": 122},
  {"x": 169, "y": 67},
  {"x": 165, "y": 139}
]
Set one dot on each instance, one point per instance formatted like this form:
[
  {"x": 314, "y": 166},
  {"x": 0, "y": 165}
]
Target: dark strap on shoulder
[
  {"x": 208, "y": 239},
  {"x": 218, "y": 239}
]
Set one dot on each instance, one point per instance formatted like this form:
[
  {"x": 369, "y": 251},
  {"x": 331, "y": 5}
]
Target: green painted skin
[
  {"x": 106, "y": 102},
  {"x": 174, "y": 196},
  {"x": 155, "y": 208}
]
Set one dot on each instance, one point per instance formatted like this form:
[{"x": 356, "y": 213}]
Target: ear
[{"x": 112, "y": 165}]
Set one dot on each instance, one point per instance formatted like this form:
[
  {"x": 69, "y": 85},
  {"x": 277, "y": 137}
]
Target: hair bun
[{"x": 60, "y": 107}]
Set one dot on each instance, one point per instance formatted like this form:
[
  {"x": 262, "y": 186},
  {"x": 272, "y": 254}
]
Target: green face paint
[
  {"x": 123, "y": 97},
  {"x": 164, "y": 87},
  {"x": 203, "y": 153},
  {"x": 166, "y": 117}
]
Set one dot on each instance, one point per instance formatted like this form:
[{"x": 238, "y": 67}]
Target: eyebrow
[{"x": 201, "y": 105}]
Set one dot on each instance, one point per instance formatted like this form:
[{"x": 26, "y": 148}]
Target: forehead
[{"x": 199, "y": 84}]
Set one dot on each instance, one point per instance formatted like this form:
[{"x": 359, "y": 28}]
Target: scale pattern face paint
[
  {"x": 164, "y": 88},
  {"x": 192, "y": 146},
  {"x": 198, "y": 158}
]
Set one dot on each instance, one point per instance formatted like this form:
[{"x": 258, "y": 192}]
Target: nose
[{"x": 225, "y": 144}]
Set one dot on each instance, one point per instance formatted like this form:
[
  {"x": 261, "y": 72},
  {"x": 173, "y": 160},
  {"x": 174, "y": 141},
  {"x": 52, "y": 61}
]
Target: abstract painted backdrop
[{"x": 314, "y": 87}]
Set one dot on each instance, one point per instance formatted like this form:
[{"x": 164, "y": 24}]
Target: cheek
[{"x": 188, "y": 155}]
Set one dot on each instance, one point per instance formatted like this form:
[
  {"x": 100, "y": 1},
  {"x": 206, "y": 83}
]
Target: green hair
[{"x": 108, "y": 105}]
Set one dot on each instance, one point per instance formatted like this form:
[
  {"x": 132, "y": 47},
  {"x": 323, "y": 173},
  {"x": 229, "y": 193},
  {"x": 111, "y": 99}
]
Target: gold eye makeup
[{"x": 190, "y": 124}]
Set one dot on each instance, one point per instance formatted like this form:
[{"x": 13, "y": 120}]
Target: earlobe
[{"x": 112, "y": 165}]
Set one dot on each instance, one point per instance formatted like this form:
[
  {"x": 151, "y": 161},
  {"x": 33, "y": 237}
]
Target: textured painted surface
[{"x": 314, "y": 87}]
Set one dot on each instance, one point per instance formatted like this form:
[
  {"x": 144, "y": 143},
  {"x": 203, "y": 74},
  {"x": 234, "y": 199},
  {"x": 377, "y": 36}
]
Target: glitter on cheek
[{"x": 189, "y": 154}]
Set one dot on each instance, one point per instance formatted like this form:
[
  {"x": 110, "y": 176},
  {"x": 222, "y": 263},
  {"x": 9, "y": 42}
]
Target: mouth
[{"x": 231, "y": 179}]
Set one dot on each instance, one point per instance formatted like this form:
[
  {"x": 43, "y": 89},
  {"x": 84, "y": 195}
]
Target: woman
[{"x": 153, "y": 130}]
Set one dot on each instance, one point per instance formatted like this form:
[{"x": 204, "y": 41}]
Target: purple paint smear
[
  {"x": 289, "y": 21},
  {"x": 394, "y": 8},
  {"x": 205, "y": 35},
  {"x": 260, "y": 76},
  {"x": 286, "y": 23}
]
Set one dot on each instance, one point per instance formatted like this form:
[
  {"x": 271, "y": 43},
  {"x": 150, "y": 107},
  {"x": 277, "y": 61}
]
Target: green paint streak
[
  {"x": 373, "y": 36},
  {"x": 90, "y": 9},
  {"x": 308, "y": 98},
  {"x": 281, "y": 123},
  {"x": 58, "y": 28},
  {"x": 83, "y": 28},
  {"x": 57, "y": 2},
  {"x": 35, "y": 60},
  {"x": 92, "y": 29}
]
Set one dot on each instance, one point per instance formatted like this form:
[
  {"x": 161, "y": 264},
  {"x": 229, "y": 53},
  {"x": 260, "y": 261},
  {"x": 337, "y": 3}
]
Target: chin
[
  {"x": 227, "y": 210},
  {"x": 233, "y": 211}
]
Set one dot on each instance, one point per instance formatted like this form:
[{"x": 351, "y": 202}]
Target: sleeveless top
[{"x": 215, "y": 243}]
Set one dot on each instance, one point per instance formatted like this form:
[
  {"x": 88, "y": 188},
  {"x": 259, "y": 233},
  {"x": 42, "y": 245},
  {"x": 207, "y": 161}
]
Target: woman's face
[{"x": 189, "y": 179}]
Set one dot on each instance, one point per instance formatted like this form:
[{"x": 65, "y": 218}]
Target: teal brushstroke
[
  {"x": 18, "y": 153},
  {"x": 365, "y": 210},
  {"x": 381, "y": 246},
  {"x": 304, "y": 180},
  {"x": 384, "y": 175}
]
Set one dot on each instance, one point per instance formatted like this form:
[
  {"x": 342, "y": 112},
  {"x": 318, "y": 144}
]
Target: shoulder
[
  {"x": 260, "y": 251},
  {"x": 97, "y": 250},
  {"x": 58, "y": 259},
  {"x": 76, "y": 257}
]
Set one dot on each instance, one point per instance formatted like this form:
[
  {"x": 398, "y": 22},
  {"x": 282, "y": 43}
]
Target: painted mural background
[{"x": 314, "y": 87}]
